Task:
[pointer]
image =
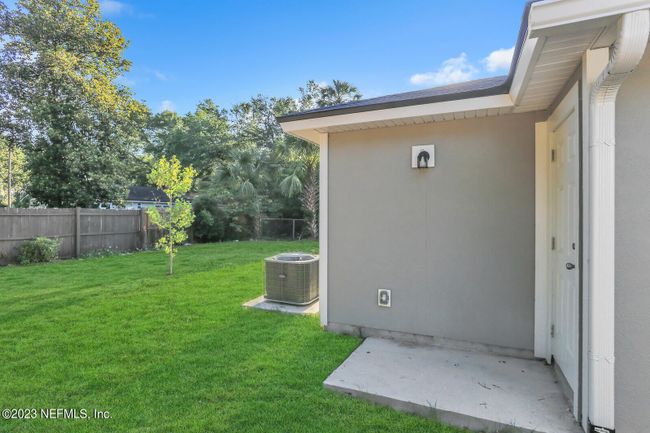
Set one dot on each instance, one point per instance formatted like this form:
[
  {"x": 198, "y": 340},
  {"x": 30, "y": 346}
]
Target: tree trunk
[
  {"x": 257, "y": 225},
  {"x": 170, "y": 265},
  {"x": 9, "y": 176},
  {"x": 170, "y": 268}
]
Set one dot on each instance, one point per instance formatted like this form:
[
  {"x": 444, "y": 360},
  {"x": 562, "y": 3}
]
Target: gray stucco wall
[
  {"x": 633, "y": 252},
  {"x": 455, "y": 243}
]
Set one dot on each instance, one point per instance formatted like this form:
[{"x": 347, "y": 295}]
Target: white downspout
[{"x": 624, "y": 57}]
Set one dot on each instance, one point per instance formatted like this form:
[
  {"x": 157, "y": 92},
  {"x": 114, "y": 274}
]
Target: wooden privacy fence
[{"x": 81, "y": 231}]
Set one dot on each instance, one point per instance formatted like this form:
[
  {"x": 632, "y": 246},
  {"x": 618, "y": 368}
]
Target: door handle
[{"x": 570, "y": 266}]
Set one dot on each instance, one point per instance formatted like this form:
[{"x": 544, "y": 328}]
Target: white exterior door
[{"x": 565, "y": 237}]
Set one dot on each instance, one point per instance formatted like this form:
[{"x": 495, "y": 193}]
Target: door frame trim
[
  {"x": 542, "y": 341},
  {"x": 543, "y": 208},
  {"x": 543, "y": 225}
]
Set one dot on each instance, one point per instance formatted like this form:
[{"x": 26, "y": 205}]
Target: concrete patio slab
[
  {"x": 479, "y": 391},
  {"x": 262, "y": 303}
]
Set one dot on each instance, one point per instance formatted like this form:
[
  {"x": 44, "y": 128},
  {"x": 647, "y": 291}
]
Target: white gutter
[
  {"x": 633, "y": 29},
  {"x": 569, "y": 15}
]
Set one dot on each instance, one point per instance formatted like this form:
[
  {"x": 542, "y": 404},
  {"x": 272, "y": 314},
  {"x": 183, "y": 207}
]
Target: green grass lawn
[{"x": 173, "y": 354}]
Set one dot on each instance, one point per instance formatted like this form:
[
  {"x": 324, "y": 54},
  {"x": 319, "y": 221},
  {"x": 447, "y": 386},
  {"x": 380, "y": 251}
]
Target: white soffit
[
  {"x": 553, "y": 59},
  {"x": 559, "y": 32}
]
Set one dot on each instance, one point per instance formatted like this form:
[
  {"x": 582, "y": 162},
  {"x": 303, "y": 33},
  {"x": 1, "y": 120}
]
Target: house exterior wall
[
  {"x": 632, "y": 380},
  {"x": 454, "y": 243}
]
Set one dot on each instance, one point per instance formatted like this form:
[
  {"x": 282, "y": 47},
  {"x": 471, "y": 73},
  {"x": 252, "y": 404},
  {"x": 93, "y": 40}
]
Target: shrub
[
  {"x": 210, "y": 223},
  {"x": 38, "y": 250}
]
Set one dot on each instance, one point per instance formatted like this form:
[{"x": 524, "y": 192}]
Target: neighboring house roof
[
  {"x": 553, "y": 37},
  {"x": 146, "y": 193}
]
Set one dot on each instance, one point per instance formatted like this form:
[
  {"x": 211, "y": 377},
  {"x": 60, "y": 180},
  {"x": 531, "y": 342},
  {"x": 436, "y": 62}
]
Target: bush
[
  {"x": 210, "y": 222},
  {"x": 39, "y": 250}
]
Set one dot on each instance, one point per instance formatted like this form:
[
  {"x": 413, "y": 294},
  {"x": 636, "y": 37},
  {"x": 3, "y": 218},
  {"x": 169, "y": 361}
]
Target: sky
[{"x": 229, "y": 51}]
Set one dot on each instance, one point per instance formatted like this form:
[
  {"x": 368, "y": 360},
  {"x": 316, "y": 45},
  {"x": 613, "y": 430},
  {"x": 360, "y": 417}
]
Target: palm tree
[
  {"x": 303, "y": 157},
  {"x": 338, "y": 92},
  {"x": 244, "y": 178},
  {"x": 302, "y": 180}
]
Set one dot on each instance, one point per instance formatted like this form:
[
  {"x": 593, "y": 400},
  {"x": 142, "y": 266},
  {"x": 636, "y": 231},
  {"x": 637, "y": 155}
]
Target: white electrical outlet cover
[
  {"x": 415, "y": 151},
  {"x": 384, "y": 297}
]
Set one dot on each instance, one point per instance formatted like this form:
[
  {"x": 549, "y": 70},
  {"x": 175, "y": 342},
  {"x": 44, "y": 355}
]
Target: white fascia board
[
  {"x": 300, "y": 127},
  {"x": 553, "y": 16},
  {"x": 530, "y": 52}
]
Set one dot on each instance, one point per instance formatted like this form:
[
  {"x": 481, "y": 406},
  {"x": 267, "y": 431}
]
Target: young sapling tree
[{"x": 175, "y": 181}]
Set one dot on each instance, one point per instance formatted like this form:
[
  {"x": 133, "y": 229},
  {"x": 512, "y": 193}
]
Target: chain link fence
[{"x": 284, "y": 228}]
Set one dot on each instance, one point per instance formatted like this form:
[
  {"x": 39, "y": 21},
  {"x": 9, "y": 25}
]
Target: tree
[
  {"x": 175, "y": 181},
  {"x": 14, "y": 129},
  {"x": 302, "y": 157},
  {"x": 163, "y": 128},
  {"x": 200, "y": 139},
  {"x": 254, "y": 121},
  {"x": 247, "y": 167},
  {"x": 338, "y": 92},
  {"x": 61, "y": 60},
  {"x": 13, "y": 175},
  {"x": 243, "y": 183},
  {"x": 314, "y": 95},
  {"x": 244, "y": 186},
  {"x": 210, "y": 222},
  {"x": 310, "y": 96},
  {"x": 302, "y": 181}
]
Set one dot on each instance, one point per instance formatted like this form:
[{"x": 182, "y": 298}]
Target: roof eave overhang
[
  {"x": 309, "y": 129},
  {"x": 545, "y": 19},
  {"x": 555, "y": 18}
]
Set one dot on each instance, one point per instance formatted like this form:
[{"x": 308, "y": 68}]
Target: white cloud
[
  {"x": 454, "y": 70},
  {"x": 499, "y": 59},
  {"x": 114, "y": 8},
  {"x": 160, "y": 76},
  {"x": 167, "y": 105}
]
